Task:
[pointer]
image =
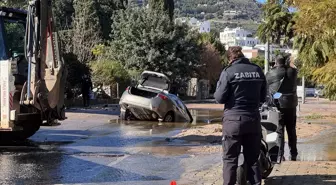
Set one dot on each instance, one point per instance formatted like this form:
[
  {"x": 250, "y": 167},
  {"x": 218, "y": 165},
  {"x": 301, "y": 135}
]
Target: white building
[
  {"x": 193, "y": 22},
  {"x": 273, "y": 47},
  {"x": 205, "y": 27},
  {"x": 238, "y": 37},
  {"x": 202, "y": 27},
  {"x": 231, "y": 13}
]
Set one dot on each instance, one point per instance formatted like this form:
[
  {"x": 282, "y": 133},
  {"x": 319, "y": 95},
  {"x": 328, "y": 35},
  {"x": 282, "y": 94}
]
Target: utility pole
[
  {"x": 303, "y": 87},
  {"x": 267, "y": 56},
  {"x": 303, "y": 90},
  {"x": 118, "y": 90}
]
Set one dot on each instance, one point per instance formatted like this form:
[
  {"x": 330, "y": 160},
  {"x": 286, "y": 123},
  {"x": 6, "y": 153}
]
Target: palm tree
[{"x": 278, "y": 24}]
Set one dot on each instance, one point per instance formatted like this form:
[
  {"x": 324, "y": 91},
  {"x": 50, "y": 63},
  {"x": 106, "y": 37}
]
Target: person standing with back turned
[
  {"x": 242, "y": 88},
  {"x": 283, "y": 78}
]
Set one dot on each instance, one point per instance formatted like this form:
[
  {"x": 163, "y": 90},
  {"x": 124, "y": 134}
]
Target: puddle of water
[
  {"x": 322, "y": 148},
  {"x": 163, "y": 130},
  {"x": 29, "y": 146},
  {"x": 201, "y": 117},
  {"x": 165, "y": 150}
]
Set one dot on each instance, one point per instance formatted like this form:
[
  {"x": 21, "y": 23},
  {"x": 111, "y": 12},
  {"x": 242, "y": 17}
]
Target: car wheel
[
  {"x": 125, "y": 115},
  {"x": 169, "y": 117}
]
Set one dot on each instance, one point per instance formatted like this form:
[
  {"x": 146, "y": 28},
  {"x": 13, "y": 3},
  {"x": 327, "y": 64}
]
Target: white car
[{"x": 150, "y": 100}]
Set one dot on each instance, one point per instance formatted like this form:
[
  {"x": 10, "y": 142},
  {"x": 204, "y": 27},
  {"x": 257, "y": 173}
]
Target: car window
[
  {"x": 2, "y": 46},
  {"x": 15, "y": 34}
]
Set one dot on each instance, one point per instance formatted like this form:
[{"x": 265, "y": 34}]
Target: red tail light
[
  {"x": 163, "y": 96},
  {"x": 127, "y": 88}
]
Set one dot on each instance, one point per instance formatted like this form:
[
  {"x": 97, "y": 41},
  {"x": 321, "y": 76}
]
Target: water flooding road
[
  {"x": 318, "y": 148},
  {"x": 92, "y": 150},
  {"x": 86, "y": 150}
]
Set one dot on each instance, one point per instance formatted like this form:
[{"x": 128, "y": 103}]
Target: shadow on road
[{"x": 302, "y": 179}]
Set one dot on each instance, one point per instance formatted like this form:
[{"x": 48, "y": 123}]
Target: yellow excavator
[{"x": 32, "y": 71}]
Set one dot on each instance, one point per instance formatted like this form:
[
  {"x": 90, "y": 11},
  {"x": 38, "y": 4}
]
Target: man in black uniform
[
  {"x": 283, "y": 78},
  {"x": 241, "y": 87},
  {"x": 86, "y": 89}
]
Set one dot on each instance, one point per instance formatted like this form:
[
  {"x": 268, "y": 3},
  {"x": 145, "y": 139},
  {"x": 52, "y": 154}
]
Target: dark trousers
[
  {"x": 86, "y": 100},
  {"x": 241, "y": 131},
  {"x": 288, "y": 120}
]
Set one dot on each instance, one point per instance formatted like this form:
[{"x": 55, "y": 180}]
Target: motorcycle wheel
[
  {"x": 242, "y": 175},
  {"x": 266, "y": 169},
  {"x": 266, "y": 173}
]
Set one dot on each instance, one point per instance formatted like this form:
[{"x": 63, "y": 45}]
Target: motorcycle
[{"x": 269, "y": 153}]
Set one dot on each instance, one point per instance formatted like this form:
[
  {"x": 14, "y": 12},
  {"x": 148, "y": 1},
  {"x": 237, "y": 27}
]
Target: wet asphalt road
[{"x": 89, "y": 150}]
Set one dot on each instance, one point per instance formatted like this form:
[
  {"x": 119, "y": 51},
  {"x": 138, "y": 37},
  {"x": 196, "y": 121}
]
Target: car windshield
[{"x": 14, "y": 35}]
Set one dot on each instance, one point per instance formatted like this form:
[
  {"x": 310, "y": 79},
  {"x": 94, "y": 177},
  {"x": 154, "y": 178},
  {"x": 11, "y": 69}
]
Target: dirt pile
[{"x": 211, "y": 135}]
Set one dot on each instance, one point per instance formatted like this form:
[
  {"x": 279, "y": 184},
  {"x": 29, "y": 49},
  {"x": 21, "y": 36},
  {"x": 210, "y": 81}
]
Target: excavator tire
[{"x": 28, "y": 130}]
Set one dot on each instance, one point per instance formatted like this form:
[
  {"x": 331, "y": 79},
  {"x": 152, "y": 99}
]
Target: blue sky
[{"x": 290, "y": 9}]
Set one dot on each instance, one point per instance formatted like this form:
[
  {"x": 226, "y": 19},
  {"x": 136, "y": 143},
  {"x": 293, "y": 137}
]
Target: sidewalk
[{"x": 288, "y": 173}]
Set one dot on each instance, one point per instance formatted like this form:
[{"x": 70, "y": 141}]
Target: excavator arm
[{"x": 46, "y": 71}]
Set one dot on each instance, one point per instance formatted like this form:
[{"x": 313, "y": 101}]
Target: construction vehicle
[{"x": 32, "y": 71}]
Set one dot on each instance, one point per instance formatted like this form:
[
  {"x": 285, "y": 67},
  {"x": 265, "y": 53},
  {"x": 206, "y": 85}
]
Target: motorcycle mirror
[{"x": 277, "y": 95}]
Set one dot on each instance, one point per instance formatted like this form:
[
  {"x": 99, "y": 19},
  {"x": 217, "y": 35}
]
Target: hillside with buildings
[{"x": 222, "y": 13}]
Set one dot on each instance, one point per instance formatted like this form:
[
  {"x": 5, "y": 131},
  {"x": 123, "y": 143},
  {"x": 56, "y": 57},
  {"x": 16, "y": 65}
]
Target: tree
[
  {"x": 211, "y": 64},
  {"x": 105, "y": 10},
  {"x": 163, "y": 5},
  {"x": 259, "y": 61},
  {"x": 14, "y": 3},
  {"x": 213, "y": 39},
  {"x": 107, "y": 72},
  {"x": 63, "y": 13},
  {"x": 278, "y": 24},
  {"x": 75, "y": 71},
  {"x": 86, "y": 31},
  {"x": 315, "y": 31},
  {"x": 146, "y": 40}
]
